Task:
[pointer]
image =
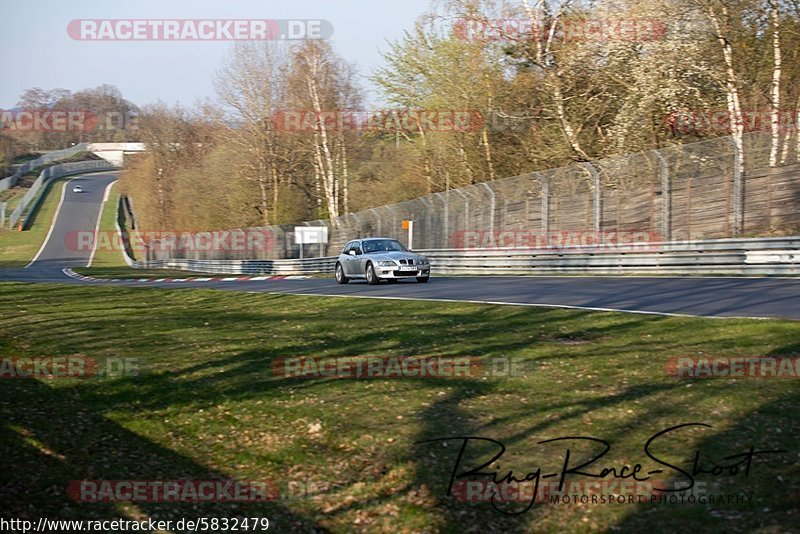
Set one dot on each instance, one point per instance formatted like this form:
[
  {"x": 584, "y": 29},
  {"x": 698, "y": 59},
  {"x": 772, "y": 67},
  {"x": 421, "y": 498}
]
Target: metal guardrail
[
  {"x": 25, "y": 168},
  {"x": 272, "y": 267},
  {"x": 677, "y": 193},
  {"x": 760, "y": 256},
  {"x": 30, "y": 201},
  {"x": 44, "y": 159}
]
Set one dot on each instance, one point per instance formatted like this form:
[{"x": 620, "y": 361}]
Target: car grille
[
  {"x": 406, "y": 273},
  {"x": 406, "y": 262}
]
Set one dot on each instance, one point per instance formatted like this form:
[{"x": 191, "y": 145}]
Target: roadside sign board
[{"x": 305, "y": 235}]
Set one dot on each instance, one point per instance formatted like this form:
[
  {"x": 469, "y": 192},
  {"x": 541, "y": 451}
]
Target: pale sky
[{"x": 38, "y": 52}]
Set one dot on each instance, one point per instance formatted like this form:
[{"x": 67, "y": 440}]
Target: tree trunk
[
  {"x": 735, "y": 111},
  {"x": 488, "y": 153},
  {"x": 776, "y": 84},
  {"x": 325, "y": 158},
  {"x": 426, "y": 161},
  {"x": 262, "y": 185},
  {"x": 566, "y": 126},
  {"x": 464, "y": 162},
  {"x": 345, "y": 177}
]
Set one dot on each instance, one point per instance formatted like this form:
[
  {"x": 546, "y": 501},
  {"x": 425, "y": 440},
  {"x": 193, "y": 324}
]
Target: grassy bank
[
  {"x": 205, "y": 404},
  {"x": 128, "y": 272},
  {"x": 19, "y": 248},
  {"x": 106, "y": 254}
]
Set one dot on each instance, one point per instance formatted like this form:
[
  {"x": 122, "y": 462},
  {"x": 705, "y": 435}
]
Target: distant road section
[
  {"x": 75, "y": 212},
  {"x": 711, "y": 297}
]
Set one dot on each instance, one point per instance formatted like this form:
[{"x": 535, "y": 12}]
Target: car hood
[{"x": 394, "y": 256}]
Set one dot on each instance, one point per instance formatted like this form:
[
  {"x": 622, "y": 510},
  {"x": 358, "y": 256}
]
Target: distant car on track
[
  {"x": 77, "y": 189},
  {"x": 380, "y": 258}
]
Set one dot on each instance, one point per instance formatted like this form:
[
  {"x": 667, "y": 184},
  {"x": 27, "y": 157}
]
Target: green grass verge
[
  {"x": 127, "y": 272},
  {"x": 24, "y": 158},
  {"x": 10, "y": 195},
  {"x": 106, "y": 253},
  {"x": 19, "y": 248},
  {"x": 206, "y": 405}
]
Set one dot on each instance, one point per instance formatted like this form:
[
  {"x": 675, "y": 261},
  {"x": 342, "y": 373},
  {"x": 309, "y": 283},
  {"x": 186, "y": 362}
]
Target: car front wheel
[
  {"x": 372, "y": 278},
  {"x": 340, "y": 277}
]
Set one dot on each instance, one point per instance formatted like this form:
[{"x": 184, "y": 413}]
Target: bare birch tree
[{"x": 250, "y": 84}]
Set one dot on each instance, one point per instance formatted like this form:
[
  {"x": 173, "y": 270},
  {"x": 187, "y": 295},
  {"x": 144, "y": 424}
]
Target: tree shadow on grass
[
  {"x": 48, "y": 439},
  {"x": 243, "y": 374},
  {"x": 772, "y": 486}
]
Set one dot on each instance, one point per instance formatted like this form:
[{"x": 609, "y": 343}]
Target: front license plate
[{"x": 407, "y": 268}]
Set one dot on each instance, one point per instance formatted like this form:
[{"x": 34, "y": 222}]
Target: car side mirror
[{"x": 352, "y": 252}]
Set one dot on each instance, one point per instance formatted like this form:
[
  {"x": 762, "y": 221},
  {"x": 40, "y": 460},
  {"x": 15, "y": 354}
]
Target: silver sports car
[{"x": 380, "y": 258}]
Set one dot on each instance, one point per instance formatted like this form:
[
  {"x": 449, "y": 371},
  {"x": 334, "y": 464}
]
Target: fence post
[
  {"x": 377, "y": 219},
  {"x": 394, "y": 219},
  {"x": 545, "y": 202},
  {"x": 597, "y": 200},
  {"x": 666, "y": 198},
  {"x": 430, "y": 207},
  {"x": 445, "y": 198},
  {"x": 491, "y": 208},
  {"x": 359, "y": 226},
  {"x": 446, "y": 217},
  {"x": 738, "y": 189},
  {"x": 466, "y": 211}
]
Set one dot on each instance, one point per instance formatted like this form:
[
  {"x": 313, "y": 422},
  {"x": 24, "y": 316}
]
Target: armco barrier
[
  {"x": 275, "y": 267},
  {"x": 22, "y": 170},
  {"x": 764, "y": 256},
  {"x": 44, "y": 159},
  {"x": 29, "y": 203}
]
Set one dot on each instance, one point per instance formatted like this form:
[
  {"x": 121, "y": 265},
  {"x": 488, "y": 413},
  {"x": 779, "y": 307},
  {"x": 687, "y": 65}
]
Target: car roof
[{"x": 370, "y": 239}]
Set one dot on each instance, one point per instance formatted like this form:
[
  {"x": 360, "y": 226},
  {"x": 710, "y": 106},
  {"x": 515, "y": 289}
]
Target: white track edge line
[
  {"x": 52, "y": 223},
  {"x": 539, "y": 305},
  {"x": 99, "y": 218}
]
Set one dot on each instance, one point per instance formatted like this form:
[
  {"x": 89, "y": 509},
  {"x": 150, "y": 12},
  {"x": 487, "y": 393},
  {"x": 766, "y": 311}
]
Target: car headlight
[
  {"x": 422, "y": 262},
  {"x": 386, "y": 263}
]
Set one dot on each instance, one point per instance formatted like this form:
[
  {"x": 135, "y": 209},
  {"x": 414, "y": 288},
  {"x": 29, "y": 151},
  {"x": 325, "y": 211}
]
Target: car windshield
[{"x": 383, "y": 245}]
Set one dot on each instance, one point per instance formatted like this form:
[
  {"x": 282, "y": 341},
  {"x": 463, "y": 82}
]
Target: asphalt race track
[{"x": 702, "y": 296}]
